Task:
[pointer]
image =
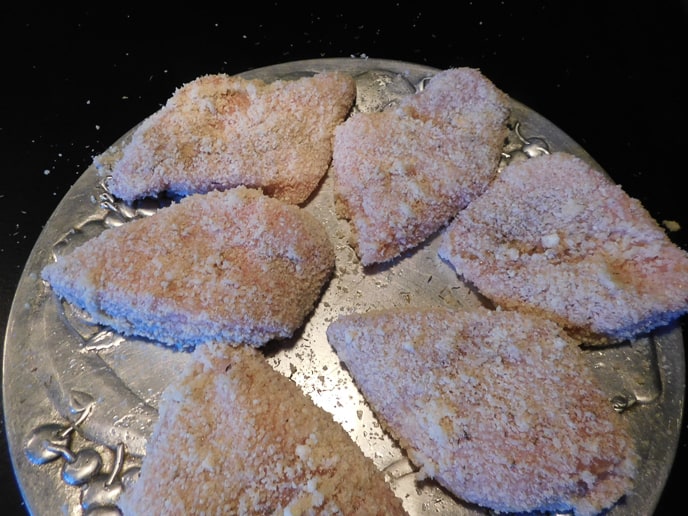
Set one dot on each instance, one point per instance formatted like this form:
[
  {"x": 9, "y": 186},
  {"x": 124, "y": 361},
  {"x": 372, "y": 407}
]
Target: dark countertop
[{"x": 606, "y": 73}]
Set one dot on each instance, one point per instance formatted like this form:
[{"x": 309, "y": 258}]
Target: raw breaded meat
[
  {"x": 234, "y": 436},
  {"x": 232, "y": 266},
  {"x": 220, "y": 131},
  {"x": 556, "y": 237},
  {"x": 497, "y": 406},
  {"x": 402, "y": 174}
]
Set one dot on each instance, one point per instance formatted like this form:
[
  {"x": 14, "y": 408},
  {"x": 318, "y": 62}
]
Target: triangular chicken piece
[
  {"x": 233, "y": 266},
  {"x": 220, "y": 131},
  {"x": 497, "y": 406},
  {"x": 235, "y": 436},
  {"x": 403, "y": 173},
  {"x": 554, "y": 236}
]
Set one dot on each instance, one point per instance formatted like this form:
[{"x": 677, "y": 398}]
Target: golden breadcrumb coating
[
  {"x": 220, "y": 131},
  {"x": 497, "y": 406},
  {"x": 234, "y": 436},
  {"x": 402, "y": 174},
  {"x": 554, "y": 236},
  {"x": 233, "y": 266}
]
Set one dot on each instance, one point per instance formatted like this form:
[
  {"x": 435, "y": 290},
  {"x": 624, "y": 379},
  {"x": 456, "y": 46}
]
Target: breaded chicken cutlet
[
  {"x": 234, "y": 436},
  {"x": 403, "y": 173},
  {"x": 234, "y": 266},
  {"x": 554, "y": 236},
  {"x": 220, "y": 131},
  {"x": 497, "y": 406}
]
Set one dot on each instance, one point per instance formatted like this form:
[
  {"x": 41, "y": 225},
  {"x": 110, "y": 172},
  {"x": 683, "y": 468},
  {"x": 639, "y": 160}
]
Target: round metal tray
[{"x": 64, "y": 375}]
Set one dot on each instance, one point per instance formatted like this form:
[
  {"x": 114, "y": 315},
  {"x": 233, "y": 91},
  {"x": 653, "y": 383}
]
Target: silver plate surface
[{"x": 59, "y": 368}]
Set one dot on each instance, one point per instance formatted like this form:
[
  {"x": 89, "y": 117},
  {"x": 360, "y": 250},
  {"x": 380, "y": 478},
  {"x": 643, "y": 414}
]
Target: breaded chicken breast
[
  {"x": 554, "y": 236},
  {"x": 220, "y": 131},
  {"x": 403, "y": 173},
  {"x": 497, "y": 406},
  {"x": 234, "y": 436},
  {"x": 230, "y": 266}
]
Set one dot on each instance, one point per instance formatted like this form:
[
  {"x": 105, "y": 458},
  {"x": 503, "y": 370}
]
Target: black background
[{"x": 610, "y": 74}]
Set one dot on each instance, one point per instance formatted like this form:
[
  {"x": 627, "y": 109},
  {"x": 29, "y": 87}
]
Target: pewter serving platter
[{"x": 80, "y": 401}]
